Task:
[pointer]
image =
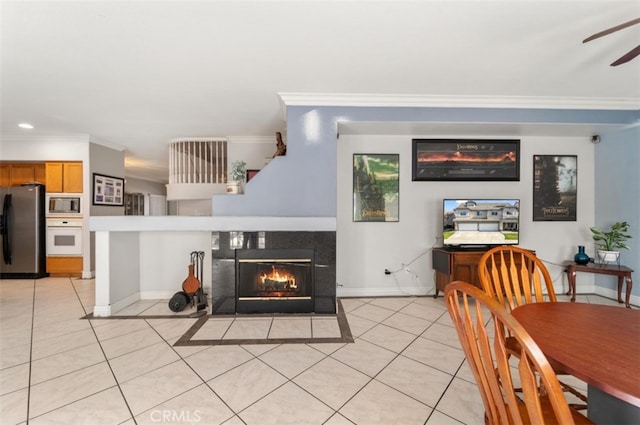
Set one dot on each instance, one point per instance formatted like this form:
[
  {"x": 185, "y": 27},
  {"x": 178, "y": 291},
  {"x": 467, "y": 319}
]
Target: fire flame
[{"x": 285, "y": 278}]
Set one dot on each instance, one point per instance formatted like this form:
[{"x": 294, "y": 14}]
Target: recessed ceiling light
[{"x": 25, "y": 125}]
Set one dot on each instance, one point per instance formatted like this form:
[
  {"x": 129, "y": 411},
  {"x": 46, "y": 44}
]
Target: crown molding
[
  {"x": 429, "y": 101},
  {"x": 39, "y": 137}
]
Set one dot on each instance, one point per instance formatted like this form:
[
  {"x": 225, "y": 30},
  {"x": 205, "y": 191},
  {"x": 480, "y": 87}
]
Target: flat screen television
[{"x": 480, "y": 222}]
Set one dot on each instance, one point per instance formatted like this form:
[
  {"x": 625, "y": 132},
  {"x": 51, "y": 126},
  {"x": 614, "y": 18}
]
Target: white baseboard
[
  {"x": 89, "y": 274},
  {"x": 613, "y": 294},
  {"x": 102, "y": 311},
  {"x": 415, "y": 291}
]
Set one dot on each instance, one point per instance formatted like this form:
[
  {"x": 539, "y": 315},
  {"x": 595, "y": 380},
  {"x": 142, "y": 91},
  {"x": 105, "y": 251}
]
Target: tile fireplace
[
  {"x": 274, "y": 280},
  {"x": 277, "y": 272}
]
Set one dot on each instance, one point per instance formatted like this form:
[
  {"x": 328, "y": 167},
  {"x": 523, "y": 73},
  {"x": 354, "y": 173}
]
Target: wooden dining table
[{"x": 598, "y": 344}]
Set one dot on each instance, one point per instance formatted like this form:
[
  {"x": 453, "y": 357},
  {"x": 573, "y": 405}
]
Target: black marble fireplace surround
[{"x": 321, "y": 246}]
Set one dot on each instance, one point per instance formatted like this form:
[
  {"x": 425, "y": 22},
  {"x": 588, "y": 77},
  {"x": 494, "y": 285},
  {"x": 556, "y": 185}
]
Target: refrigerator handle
[{"x": 5, "y": 230}]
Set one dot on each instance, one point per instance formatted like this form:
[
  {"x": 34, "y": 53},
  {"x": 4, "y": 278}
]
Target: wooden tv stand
[
  {"x": 451, "y": 264},
  {"x": 458, "y": 264}
]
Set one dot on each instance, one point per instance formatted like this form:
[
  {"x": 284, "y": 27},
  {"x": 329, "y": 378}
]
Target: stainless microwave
[{"x": 65, "y": 204}]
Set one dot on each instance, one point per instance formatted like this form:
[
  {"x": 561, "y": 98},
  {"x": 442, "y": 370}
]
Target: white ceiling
[{"x": 139, "y": 73}]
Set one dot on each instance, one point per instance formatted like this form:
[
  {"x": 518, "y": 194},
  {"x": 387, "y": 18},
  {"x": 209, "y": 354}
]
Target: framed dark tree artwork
[
  {"x": 376, "y": 187},
  {"x": 555, "y": 187}
]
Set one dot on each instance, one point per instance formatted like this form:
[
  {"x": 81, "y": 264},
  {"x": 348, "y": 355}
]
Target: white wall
[
  {"x": 133, "y": 185},
  {"x": 365, "y": 249}
]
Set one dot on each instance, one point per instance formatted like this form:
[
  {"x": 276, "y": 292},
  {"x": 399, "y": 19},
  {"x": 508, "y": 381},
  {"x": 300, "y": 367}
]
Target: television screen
[{"x": 472, "y": 222}]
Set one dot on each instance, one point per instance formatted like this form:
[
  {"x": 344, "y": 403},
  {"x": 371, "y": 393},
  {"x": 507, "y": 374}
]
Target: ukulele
[{"x": 191, "y": 284}]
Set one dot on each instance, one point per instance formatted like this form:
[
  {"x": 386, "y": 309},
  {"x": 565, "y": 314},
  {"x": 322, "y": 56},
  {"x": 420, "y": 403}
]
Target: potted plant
[
  {"x": 238, "y": 175},
  {"x": 611, "y": 240}
]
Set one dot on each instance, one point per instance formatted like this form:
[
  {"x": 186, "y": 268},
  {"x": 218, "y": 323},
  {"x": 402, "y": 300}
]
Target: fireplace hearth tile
[
  {"x": 244, "y": 328},
  {"x": 295, "y": 327}
]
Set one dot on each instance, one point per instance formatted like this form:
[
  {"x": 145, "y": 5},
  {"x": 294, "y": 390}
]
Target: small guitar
[{"x": 191, "y": 284}]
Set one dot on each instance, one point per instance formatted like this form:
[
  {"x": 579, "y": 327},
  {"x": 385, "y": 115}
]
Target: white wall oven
[
  {"x": 64, "y": 236},
  {"x": 64, "y": 204}
]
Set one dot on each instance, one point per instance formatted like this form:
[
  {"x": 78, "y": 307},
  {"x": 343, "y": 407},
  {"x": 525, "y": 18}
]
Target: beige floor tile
[
  {"x": 161, "y": 308},
  {"x": 197, "y": 406},
  {"x": 292, "y": 359},
  {"x": 127, "y": 343},
  {"x": 13, "y": 356},
  {"x": 234, "y": 421},
  {"x": 416, "y": 380},
  {"x": 436, "y": 355},
  {"x": 294, "y": 327},
  {"x": 216, "y": 360},
  {"x": 14, "y": 378},
  {"x": 158, "y": 386},
  {"x": 243, "y": 328},
  {"x": 213, "y": 329},
  {"x": 325, "y": 327},
  {"x": 247, "y": 383},
  {"x": 57, "y": 329},
  {"x": 13, "y": 407},
  {"x": 358, "y": 325},
  {"x": 171, "y": 328},
  {"x": 136, "y": 308},
  {"x": 377, "y": 358},
  {"x": 407, "y": 323},
  {"x": 111, "y": 328},
  {"x": 443, "y": 334},
  {"x": 392, "y": 303},
  {"x": 288, "y": 404},
  {"x": 389, "y": 338},
  {"x": 425, "y": 312},
  {"x": 136, "y": 363},
  {"x": 372, "y": 312},
  {"x": 106, "y": 407},
  {"x": 259, "y": 349},
  {"x": 327, "y": 348},
  {"x": 379, "y": 404},
  {"x": 59, "y": 344},
  {"x": 338, "y": 419},
  {"x": 65, "y": 362},
  {"x": 349, "y": 304},
  {"x": 332, "y": 382},
  {"x": 438, "y": 418},
  {"x": 463, "y": 402},
  {"x": 60, "y": 391}
]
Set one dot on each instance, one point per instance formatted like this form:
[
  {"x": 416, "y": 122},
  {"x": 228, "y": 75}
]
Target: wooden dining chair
[
  {"x": 542, "y": 400},
  {"x": 514, "y": 276}
]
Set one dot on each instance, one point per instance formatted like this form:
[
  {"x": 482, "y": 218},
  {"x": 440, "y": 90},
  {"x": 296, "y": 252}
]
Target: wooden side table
[{"x": 623, "y": 273}]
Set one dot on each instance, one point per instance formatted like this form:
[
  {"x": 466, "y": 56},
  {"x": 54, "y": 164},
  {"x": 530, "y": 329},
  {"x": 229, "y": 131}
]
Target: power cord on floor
[{"x": 415, "y": 276}]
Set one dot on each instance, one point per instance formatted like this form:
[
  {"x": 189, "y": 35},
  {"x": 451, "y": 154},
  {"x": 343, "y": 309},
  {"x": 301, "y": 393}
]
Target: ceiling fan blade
[
  {"x": 612, "y": 29},
  {"x": 628, "y": 56}
]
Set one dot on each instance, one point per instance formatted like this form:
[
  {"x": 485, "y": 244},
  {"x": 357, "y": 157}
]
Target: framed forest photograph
[
  {"x": 555, "y": 187},
  {"x": 376, "y": 187}
]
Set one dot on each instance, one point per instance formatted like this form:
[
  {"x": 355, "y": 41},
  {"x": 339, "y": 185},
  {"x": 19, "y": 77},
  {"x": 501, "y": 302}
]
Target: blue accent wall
[
  {"x": 303, "y": 183},
  {"x": 617, "y": 197}
]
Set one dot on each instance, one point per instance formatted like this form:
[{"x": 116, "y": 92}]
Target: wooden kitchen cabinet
[
  {"x": 64, "y": 177},
  {"x": 64, "y": 266},
  {"x": 18, "y": 173}
]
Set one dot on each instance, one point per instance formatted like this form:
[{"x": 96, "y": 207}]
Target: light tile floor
[{"x": 405, "y": 366}]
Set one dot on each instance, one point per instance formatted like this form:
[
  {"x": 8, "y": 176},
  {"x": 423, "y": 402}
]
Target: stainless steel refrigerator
[{"x": 22, "y": 230}]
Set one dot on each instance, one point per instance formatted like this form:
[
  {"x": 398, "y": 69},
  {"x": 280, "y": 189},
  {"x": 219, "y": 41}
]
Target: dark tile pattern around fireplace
[{"x": 223, "y": 272}]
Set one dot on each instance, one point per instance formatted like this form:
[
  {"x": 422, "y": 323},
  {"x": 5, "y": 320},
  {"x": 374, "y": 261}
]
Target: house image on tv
[{"x": 493, "y": 216}]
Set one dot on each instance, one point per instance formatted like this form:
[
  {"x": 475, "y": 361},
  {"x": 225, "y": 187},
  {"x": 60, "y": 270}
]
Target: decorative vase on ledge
[{"x": 581, "y": 257}]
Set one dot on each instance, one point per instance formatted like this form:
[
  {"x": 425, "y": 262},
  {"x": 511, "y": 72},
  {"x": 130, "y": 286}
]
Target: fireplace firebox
[{"x": 274, "y": 280}]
